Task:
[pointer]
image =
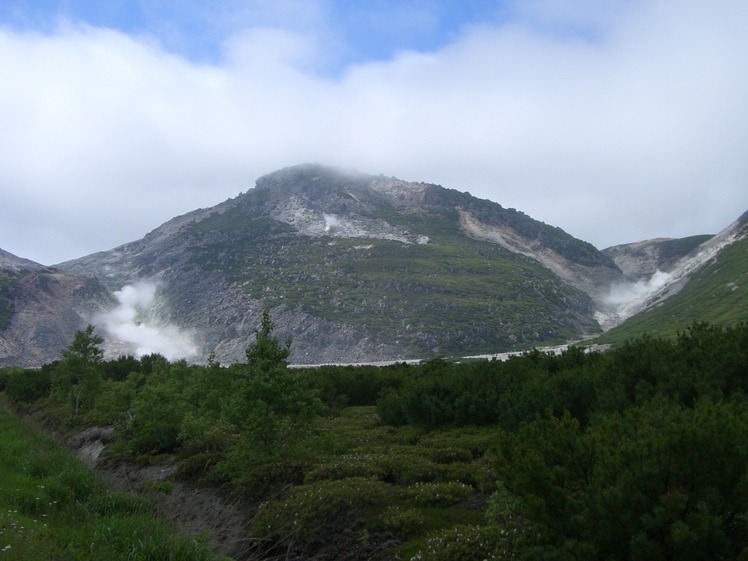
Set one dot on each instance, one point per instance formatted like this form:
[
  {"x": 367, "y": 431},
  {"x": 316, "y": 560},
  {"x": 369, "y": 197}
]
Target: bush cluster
[{"x": 638, "y": 452}]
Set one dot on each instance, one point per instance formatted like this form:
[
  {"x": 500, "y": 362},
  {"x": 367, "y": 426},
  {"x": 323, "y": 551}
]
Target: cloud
[
  {"x": 616, "y": 125},
  {"x": 134, "y": 325}
]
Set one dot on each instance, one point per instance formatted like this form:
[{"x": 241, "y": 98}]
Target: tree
[
  {"x": 272, "y": 404},
  {"x": 78, "y": 375},
  {"x": 84, "y": 349},
  {"x": 660, "y": 481},
  {"x": 266, "y": 352}
]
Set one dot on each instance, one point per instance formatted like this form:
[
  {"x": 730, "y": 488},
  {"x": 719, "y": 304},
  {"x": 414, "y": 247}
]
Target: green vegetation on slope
[
  {"x": 450, "y": 294},
  {"x": 716, "y": 293},
  {"x": 53, "y": 507}
]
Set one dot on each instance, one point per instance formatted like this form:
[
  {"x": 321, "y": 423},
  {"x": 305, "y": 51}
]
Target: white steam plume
[
  {"x": 132, "y": 325},
  {"x": 631, "y": 291},
  {"x": 332, "y": 222}
]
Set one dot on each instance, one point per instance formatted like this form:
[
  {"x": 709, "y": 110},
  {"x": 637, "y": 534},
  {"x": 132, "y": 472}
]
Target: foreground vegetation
[
  {"x": 637, "y": 453},
  {"x": 53, "y": 507}
]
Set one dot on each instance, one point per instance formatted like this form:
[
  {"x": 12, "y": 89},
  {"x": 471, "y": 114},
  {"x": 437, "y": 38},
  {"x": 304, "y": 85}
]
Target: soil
[{"x": 204, "y": 513}]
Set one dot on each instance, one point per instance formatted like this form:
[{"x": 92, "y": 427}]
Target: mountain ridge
[{"x": 357, "y": 267}]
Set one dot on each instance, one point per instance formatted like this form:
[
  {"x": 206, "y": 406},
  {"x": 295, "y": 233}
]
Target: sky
[{"x": 616, "y": 120}]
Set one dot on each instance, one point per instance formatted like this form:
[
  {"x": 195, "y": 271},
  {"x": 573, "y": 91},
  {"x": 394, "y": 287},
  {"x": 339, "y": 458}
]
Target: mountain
[
  {"x": 359, "y": 267},
  {"x": 41, "y": 308},
  {"x": 709, "y": 283},
  {"x": 641, "y": 260},
  {"x": 354, "y": 268}
]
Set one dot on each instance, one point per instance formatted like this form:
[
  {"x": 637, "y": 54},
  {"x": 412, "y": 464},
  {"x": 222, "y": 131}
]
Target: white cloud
[{"x": 615, "y": 124}]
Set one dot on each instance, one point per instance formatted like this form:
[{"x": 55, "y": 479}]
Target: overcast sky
[{"x": 615, "y": 120}]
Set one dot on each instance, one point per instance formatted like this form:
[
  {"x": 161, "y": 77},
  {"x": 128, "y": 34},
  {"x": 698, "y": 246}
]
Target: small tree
[
  {"x": 78, "y": 375},
  {"x": 84, "y": 349},
  {"x": 266, "y": 351},
  {"x": 273, "y": 404}
]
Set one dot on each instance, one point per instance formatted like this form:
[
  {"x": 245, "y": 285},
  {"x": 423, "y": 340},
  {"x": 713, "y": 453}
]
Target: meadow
[{"x": 53, "y": 507}]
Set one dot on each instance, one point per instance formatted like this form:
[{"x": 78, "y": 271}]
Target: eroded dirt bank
[{"x": 202, "y": 513}]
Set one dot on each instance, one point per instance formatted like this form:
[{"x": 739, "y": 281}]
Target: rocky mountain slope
[
  {"x": 707, "y": 284},
  {"x": 357, "y": 268},
  {"x": 639, "y": 261},
  {"x": 41, "y": 308}
]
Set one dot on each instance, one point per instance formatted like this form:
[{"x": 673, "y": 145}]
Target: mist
[
  {"x": 630, "y": 291},
  {"x": 134, "y": 325}
]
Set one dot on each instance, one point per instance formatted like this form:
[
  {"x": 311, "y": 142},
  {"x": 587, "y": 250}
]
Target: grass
[{"x": 53, "y": 507}]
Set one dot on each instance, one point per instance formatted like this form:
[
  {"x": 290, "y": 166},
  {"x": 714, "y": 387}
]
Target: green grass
[
  {"x": 53, "y": 507},
  {"x": 717, "y": 293}
]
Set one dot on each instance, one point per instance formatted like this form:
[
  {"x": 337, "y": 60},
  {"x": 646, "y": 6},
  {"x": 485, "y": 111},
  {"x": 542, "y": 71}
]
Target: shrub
[
  {"x": 311, "y": 513},
  {"x": 437, "y": 494},
  {"x": 404, "y": 522},
  {"x": 479, "y": 475},
  {"x": 404, "y": 466},
  {"x": 449, "y": 455},
  {"x": 349, "y": 465},
  {"x": 26, "y": 385},
  {"x": 466, "y": 543}
]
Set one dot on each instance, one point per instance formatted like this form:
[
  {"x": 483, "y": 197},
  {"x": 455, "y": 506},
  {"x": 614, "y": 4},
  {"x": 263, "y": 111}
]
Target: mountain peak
[
  {"x": 10, "y": 262},
  {"x": 310, "y": 176}
]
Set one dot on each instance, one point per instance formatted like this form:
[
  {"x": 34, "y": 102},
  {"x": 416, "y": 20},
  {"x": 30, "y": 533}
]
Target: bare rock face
[
  {"x": 641, "y": 260},
  {"x": 13, "y": 264},
  {"x": 46, "y": 307}
]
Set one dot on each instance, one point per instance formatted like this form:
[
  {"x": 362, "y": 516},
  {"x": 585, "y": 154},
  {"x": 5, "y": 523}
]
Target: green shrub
[
  {"x": 449, "y": 455},
  {"x": 349, "y": 465},
  {"x": 437, "y": 494},
  {"x": 259, "y": 480},
  {"x": 156, "y": 420},
  {"x": 309, "y": 514},
  {"x": 26, "y": 385},
  {"x": 480, "y": 475},
  {"x": 467, "y": 543},
  {"x": 404, "y": 465},
  {"x": 403, "y": 522}
]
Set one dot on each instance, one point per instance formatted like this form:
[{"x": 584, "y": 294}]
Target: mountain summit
[{"x": 354, "y": 267}]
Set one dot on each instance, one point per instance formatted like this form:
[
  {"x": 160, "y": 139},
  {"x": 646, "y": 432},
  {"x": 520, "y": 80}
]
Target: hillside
[
  {"x": 359, "y": 267},
  {"x": 709, "y": 285},
  {"x": 641, "y": 260},
  {"x": 40, "y": 309}
]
